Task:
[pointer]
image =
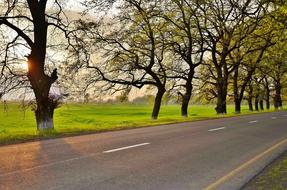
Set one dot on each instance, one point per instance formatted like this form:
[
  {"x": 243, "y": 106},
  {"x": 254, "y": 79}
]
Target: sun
[{"x": 24, "y": 66}]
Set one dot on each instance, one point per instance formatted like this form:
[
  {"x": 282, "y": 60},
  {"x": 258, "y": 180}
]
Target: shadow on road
[{"x": 32, "y": 165}]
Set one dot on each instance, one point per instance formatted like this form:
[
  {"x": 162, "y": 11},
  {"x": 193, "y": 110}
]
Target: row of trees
[{"x": 168, "y": 45}]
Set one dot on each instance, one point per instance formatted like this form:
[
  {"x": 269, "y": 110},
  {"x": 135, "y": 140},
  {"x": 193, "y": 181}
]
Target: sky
[{"x": 74, "y": 5}]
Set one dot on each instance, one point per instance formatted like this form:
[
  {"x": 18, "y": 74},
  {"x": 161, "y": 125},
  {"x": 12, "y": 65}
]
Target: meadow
[{"x": 72, "y": 119}]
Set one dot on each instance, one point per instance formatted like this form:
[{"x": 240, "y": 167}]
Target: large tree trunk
[
  {"x": 44, "y": 115},
  {"x": 268, "y": 99},
  {"x": 250, "y": 97},
  {"x": 188, "y": 92},
  {"x": 41, "y": 84},
  {"x": 40, "y": 81},
  {"x": 277, "y": 98},
  {"x": 267, "y": 94},
  {"x": 257, "y": 102},
  {"x": 237, "y": 98},
  {"x": 221, "y": 105},
  {"x": 221, "y": 97},
  {"x": 250, "y": 104},
  {"x": 237, "y": 106},
  {"x": 261, "y": 103},
  {"x": 184, "y": 106},
  {"x": 157, "y": 103}
]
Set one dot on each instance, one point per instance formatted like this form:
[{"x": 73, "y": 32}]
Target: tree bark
[
  {"x": 157, "y": 103},
  {"x": 41, "y": 84},
  {"x": 44, "y": 116},
  {"x": 237, "y": 106},
  {"x": 239, "y": 92},
  {"x": 250, "y": 104},
  {"x": 184, "y": 105},
  {"x": 267, "y": 98},
  {"x": 257, "y": 102},
  {"x": 261, "y": 103},
  {"x": 188, "y": 92},
  {"x": 267, "y": 94},
  {"x": 277, "y": 98},
  {"x": 237, "y": 98},
  {"x": 221, "y": 97},
  {"x": 250, "y": 97}
]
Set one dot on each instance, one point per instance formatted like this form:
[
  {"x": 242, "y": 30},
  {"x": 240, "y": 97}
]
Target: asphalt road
[{"x": 216, "y": 154}]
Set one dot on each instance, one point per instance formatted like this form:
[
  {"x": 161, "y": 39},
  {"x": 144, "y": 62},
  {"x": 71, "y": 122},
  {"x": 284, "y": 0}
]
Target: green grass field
[{"x": 71, "y": 119}]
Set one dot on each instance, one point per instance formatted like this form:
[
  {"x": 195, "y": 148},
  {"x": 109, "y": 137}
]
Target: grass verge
[
  {"x": 273, "y": 177},
  {"x": 73, "y": 119}
]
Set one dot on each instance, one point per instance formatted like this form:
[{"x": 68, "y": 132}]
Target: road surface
[{"x": 218, "y": 154}]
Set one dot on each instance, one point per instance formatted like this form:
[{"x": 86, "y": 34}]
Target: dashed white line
[
  {"x": 273, "y": 117},
  {"x": 255, "y": 121},
  {"x": 216, "y": 129},
  {"x": 124, "y": 148},
  {"x": 67, "y": 160}
]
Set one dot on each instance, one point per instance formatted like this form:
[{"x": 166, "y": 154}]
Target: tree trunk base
[
  {"x": 46, "y": 125},
  {"x": 157, "y": 104},
  {"x": 154, "y": 118},
  {"x": 44, "y": 116},
  {"x": 184, "y": 116},
  {"x": 279, "y": 108}
]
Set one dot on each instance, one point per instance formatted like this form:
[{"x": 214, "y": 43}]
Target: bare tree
[
  {"x": 133, "y": 49},
  {"x": 187, "y": 42},
  {"x": 225, "y": 29},
  {"x": 32, "y": 28}
]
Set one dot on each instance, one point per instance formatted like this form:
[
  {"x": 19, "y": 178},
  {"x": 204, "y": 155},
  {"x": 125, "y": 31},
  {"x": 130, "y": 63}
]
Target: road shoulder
[{"x": 272, "y": 177}]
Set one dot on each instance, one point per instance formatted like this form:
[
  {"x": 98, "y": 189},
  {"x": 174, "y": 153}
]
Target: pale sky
[{"x": 74, "y": 5}]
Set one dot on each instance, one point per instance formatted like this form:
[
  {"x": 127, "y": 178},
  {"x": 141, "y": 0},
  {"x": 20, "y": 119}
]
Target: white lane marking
[
  {"x": 124, "y": 148},
  {"x": 274, "y": 118},
  {"x": 58, "y": 162},
  {"x": 256, "y": 121},
  {"x": 217, "y": 129},
  {"x": 285, "y": 115}
]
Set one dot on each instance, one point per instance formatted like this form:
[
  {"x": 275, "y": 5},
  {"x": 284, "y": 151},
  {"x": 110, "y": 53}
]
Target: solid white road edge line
[
  {"x": 217, "y": 129},
  {"x": 124, "y": 148},
  {"x": 256, "y": 121}
]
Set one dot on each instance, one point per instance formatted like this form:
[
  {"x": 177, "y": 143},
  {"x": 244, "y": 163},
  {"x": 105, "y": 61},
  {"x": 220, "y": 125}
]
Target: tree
[
  {"x": 226, "y": 27},
  {"x": 133, "y": 52},
  {"x": 31, "y": 26},
  {"x": 276, "y": 69},
  {"x": 246, "y": 63},
  {"x": 187, "y": 43}
]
